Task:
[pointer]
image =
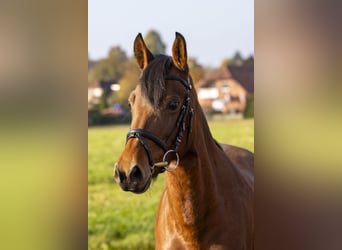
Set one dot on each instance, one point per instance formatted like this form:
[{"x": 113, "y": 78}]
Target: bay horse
[{"x": 207, "y": 202}]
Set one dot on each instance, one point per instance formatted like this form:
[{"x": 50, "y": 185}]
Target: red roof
[{"x": 242, "y": 74}]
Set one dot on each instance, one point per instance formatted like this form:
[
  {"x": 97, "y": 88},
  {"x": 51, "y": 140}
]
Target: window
[{"x": 225, "y": 87}]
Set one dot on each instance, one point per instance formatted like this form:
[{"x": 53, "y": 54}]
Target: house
[
  {"x": 98, "y": 88},
  {"x": 226, "y": 89}
]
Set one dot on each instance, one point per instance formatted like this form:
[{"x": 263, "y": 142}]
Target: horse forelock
[{"x": 152, "y": 79}]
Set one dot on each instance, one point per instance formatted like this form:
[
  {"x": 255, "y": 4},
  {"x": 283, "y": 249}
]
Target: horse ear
[
  {"x": 141, "y": 52},
  {"x": 179, "y": 54}
]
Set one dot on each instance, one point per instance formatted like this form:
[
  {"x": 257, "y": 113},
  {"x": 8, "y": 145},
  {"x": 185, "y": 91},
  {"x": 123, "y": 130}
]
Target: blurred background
[{"x": 220, "y": 40}]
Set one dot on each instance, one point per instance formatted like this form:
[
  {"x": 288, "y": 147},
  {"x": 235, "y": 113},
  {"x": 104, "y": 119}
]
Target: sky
[{"x": 213, "y": 29}]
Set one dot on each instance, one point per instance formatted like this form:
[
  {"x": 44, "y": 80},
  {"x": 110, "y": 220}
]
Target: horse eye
[{"x": 173, "y": 105}]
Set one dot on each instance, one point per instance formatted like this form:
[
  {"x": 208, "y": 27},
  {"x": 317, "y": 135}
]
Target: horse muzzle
[{"x": 133, "y": 180}]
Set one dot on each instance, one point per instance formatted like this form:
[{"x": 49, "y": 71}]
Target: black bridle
[{"x": 141, "y": 134}]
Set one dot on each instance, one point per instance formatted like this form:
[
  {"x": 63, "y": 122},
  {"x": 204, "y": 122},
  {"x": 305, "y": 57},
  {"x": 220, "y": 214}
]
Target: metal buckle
[
  {"x": 165, "y": 164},
  {"x": 168, "y": 168}
]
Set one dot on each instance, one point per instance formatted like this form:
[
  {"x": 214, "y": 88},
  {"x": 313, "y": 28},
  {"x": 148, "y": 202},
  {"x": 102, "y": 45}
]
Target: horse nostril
[
  {"x": 135, "y": 175},
  {"x": 119, "y": 176}
]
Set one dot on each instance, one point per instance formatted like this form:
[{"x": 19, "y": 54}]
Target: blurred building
[
  {"x": 98, "y": 88},
  {"x": 226, "y": 89}
]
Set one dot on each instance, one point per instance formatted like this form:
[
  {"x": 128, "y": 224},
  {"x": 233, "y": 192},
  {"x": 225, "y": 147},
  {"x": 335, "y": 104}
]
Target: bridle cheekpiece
[{"x": 141, "y": 134}]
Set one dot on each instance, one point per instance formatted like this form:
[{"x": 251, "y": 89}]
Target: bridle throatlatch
[{"x": 141, "y": 134}]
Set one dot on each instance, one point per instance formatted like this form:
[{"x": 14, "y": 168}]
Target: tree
[
  {"x": 154, "y": 43},
  {"x": 249, "y": 109},
  {"x": 103, "y": 102},
  {"x": 128, "y": 81},
  {"x": 249, "y": 61},
  {"x": 237, "y": 60},
  {"x": 226, "y": 62},
  {"x": 111, "y": 67},
  {"x": 91, "y": 63},
  {"x": 196, "y": 70}
]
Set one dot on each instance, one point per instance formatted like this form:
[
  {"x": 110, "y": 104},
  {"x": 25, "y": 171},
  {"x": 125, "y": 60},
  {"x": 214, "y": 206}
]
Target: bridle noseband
[{"x": 141, "y": 134}]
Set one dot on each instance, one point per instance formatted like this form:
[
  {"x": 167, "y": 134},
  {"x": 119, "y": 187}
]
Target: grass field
[{"x": 122, "y": 220}]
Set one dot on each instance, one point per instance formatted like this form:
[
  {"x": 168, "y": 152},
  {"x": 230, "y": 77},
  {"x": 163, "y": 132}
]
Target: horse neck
[{"x": 194, "y": 185}]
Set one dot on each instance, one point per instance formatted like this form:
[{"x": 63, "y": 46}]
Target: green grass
[{"x": 122, "y": 220}]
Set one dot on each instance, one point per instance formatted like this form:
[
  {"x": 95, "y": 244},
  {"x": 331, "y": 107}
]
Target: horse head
[{"x": 161, "y": 116}]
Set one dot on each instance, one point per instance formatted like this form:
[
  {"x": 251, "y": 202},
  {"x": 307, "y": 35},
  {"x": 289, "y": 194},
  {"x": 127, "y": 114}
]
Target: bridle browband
[{"x": 141, "y": 134}]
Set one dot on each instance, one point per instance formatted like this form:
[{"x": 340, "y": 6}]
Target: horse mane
[{"x": 152, "y": 79}]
